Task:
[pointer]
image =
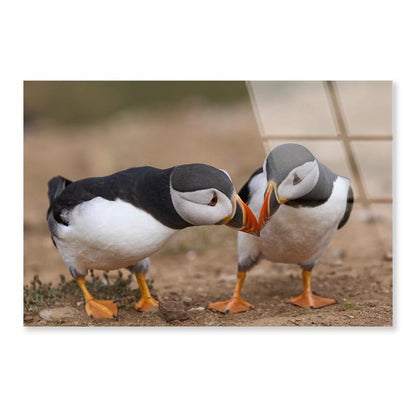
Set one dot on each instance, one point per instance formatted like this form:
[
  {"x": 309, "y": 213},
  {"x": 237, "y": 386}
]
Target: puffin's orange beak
[
  {"x": 270, "y": 205},
  {"x": 242, "y": 217}
]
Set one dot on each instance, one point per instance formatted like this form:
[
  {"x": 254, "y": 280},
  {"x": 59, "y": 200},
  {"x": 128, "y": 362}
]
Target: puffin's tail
[{"x": 55, "y": 187}]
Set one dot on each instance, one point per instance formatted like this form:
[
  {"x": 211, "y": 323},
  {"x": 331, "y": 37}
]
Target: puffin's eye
[
  {"x": 213, "y": 201},
  {"x": 296, "y": 179}
]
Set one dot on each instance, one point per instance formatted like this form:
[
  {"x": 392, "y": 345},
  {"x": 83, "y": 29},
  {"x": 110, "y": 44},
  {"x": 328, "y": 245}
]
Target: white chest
[
  {"x": 108, "y": 235},
  {"x": 300, "y": 235}
]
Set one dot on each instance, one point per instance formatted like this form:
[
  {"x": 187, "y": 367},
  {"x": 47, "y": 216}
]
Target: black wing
[
  {"x": 144, "y": 187},
  {"x": 121, "y": 185},
  {"x": 348, "y": 208},
  {"x": 244, "y": 192},
  {"x": 55, "y": 187}
]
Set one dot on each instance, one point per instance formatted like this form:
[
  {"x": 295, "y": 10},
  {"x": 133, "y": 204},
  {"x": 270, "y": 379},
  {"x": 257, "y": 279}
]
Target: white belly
[
  {"x": 298, "y": 235},
  {"x": 108, "y": 235}
]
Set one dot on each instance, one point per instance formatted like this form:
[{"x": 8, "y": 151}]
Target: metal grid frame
[{"x": 343, "y": 136}]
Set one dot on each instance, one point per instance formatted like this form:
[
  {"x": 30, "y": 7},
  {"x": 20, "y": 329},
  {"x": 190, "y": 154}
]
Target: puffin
[
  {"x": 300, "y": 204},
  {"x": 118, "y": 221}
]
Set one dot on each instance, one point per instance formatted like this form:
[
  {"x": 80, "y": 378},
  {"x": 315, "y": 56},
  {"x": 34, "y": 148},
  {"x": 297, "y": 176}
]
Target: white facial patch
[
  {"x": 291, "y": 188},
  {"x": 194, "y": 207}
]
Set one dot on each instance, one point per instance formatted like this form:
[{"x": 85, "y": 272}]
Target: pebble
[
  {"x": 388, "y": 255},
  {"x": 191, "y": 255},
  {"x": 173, "y": 311},
  {"x": 256, "y": 272},
  {"x": 174, "y": 296},
  {"x": 336, "y": 257},
  {"x": 187, "y": 300},
  {"x": 227, "y": 277},
  {"x": 152, "y": 311},
  {"x": 369, "y": 218},
  {"x": 59, "y": 314},
  {"x": 371, "y": 303}
]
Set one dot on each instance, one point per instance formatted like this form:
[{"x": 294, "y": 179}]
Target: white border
[{"x": 206, "y": 371}]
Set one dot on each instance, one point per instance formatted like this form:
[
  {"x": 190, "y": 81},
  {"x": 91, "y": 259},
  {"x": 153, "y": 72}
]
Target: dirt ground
[{"x": 198, "y": 265}]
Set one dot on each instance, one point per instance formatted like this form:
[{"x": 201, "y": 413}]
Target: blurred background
[{"x": 81, "y": 129}]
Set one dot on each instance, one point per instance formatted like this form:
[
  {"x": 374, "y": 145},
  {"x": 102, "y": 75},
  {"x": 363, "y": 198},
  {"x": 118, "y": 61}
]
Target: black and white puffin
[
  {"x": 118, "y": 221},
  {"x": 300, "y": 204}
]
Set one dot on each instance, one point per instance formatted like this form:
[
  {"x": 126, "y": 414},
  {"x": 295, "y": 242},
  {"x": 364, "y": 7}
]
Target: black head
[
  {"x": 285, "y": 158},
  {"x": 292, "y": 172},
  {"x": 204, "y": 195},
  {"x": 197, "y": 176}
]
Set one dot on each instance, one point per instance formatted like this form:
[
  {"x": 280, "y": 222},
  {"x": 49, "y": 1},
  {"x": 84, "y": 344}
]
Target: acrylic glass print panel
[{"x": 93, "y": 129}]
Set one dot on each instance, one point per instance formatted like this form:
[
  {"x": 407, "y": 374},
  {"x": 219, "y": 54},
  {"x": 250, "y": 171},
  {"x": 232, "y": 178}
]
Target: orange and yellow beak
[
  {"x": 270, "y": 205},
  {"x": 242, "y": 217}
]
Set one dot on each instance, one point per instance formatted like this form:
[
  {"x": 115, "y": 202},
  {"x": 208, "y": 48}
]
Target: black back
[
  {"x": 145, "y": 187},
  {"x": 244, "y": 192}
]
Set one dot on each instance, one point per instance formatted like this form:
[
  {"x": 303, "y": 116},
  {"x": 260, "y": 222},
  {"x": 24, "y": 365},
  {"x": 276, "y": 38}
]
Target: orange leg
[
  {"x": 235, "y": 304},
  {"x": 146, "y": 300},
  {"x": 307, "y": 299},
  {"x": 97, "y": 309}
]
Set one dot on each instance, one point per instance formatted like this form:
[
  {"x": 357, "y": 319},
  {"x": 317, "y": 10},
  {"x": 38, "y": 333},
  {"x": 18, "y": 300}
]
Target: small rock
[
  {"x": 174, "y": 296},
  {"x": 173, "y": 311},
  {"x": 335, "y": 257},
  {"x": 256, "y": 272},
  {"x": 371, "y": 303},
  {"x": 369, "y": 218},
  {"x": 152, "y": 311},
  {"x": 388, "y": 255},
  {"x": 58, "y": 314},
  {"x": 187, "y": 300},
  {"x": 227, "y": 277},
  {"x": 191, "y": 255},
  {"x": 199, "y": 308},
  {"x": 127, "y": 299},
  {"x": 340, "y": 253}
]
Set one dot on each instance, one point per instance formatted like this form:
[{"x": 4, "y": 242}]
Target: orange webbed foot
[
  {"x": 233, "y": 305},
  {"x": 145, "y": 303},
  {"x": 102, "y": 309},
  {"x": 309, "y": 300}
]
